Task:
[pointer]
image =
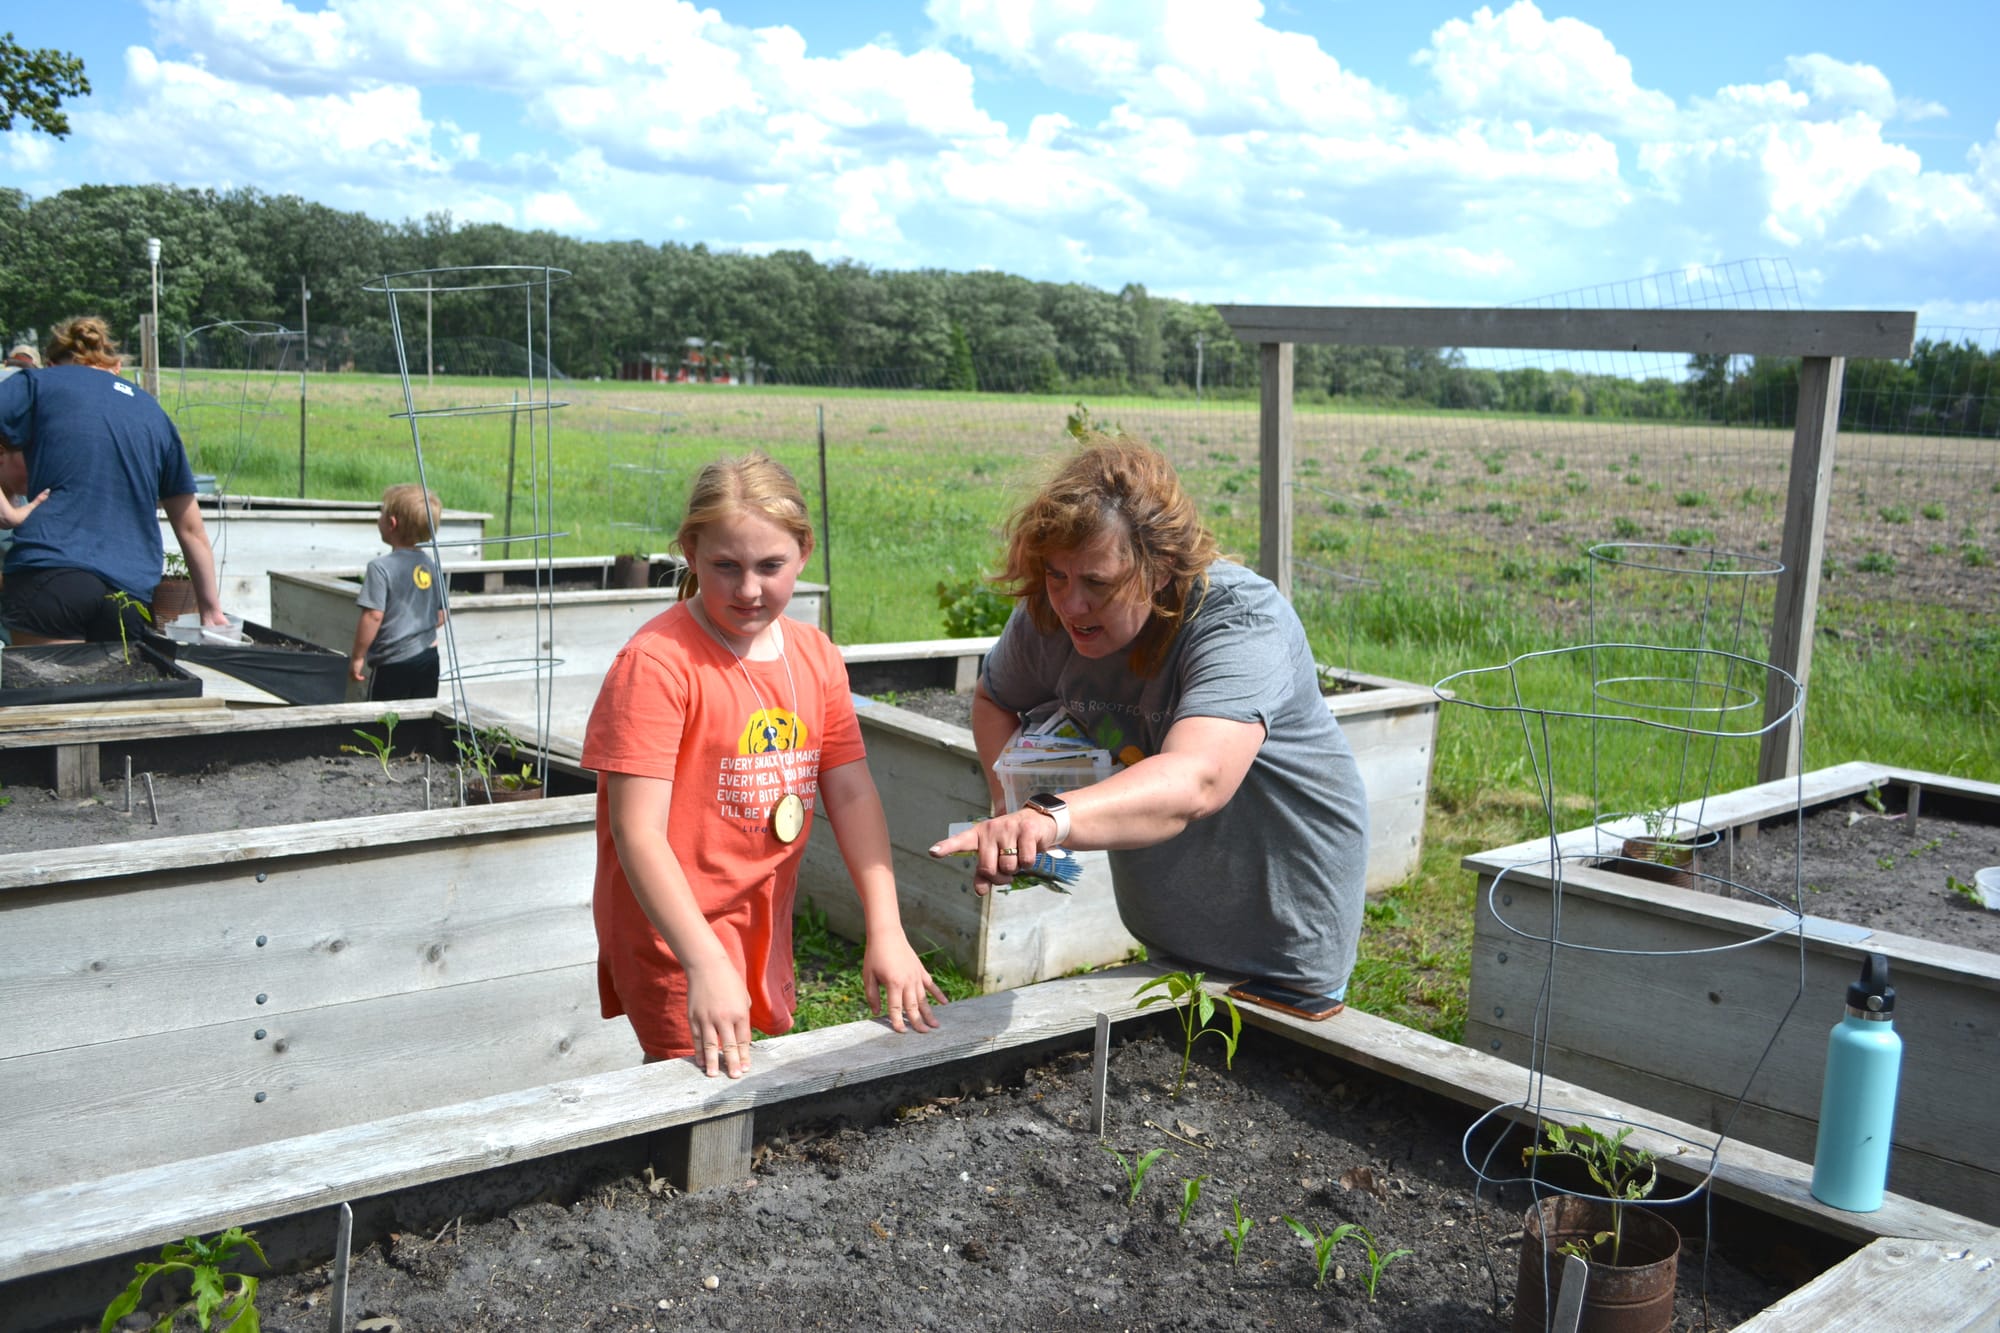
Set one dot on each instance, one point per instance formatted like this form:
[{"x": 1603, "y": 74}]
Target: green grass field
[{"x": 1424, "y": 545}]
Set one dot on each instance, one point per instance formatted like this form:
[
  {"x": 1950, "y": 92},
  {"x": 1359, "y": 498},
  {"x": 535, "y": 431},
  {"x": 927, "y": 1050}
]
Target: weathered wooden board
[
  {"x": 1895, "y": 1283},
  {"x": 197, "y": 941},
  {"x": 80, "y": 1112},
  {"x": 1685, "y": 1034},
  {"x": 1877, "y": 333}
]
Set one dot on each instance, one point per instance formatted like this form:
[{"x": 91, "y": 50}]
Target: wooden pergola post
[
  {"x": 1274, "y": 470},
  {"x": 1796, "y": 610}
]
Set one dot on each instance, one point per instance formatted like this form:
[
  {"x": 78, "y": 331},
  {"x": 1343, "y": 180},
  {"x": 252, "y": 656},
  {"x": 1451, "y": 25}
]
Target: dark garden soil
[
  {"x": 251, "y": 794},
  {"x": 996, "y": 1207},
  {"x": 1885, "y": 872}
]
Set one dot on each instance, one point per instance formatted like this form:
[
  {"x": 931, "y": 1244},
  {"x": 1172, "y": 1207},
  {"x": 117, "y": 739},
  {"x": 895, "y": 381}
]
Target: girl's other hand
[
  {"x": 719, "y": 1018},
  {"x": 891, "y": 972}
]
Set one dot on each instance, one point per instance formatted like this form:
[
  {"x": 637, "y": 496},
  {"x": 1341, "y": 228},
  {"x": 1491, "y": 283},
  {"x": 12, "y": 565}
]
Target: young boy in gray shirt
[{"x": 402, "y": 602}]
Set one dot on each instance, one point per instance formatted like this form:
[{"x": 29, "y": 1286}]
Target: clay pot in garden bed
[
  {"x": 477, "y": 792},
  {"x": 630, "y": 571},
  {"x": 173, "y": 598},
  {"x": 1634, "y": 1296}
]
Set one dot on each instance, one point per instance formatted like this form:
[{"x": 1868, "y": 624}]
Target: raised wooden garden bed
[
  {"x": 498, "y": 617},
  {"x": 928, "y": 774},
  {"x": 53, "y": 1242},
  {"x": 1684, "y": 1033},
  {"x": 90, "y": 675},
  {"x": 255, "y": 534},
  {"x": 176, "y": 996}
]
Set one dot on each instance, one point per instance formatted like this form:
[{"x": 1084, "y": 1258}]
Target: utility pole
[
  {"x": 151, "y": 348},
  {"x": 305, "y": 358},
  {"x": 1197, "y": 367},
  {"x": 430, "y": 362}
]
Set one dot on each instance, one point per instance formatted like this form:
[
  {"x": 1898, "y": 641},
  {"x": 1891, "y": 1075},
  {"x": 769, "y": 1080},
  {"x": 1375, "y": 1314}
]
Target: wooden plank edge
[
  {"x": 1766, "y": 1180},
  {"x": 1861, "y": 1291},
  {"x": 194, "y": 851}
]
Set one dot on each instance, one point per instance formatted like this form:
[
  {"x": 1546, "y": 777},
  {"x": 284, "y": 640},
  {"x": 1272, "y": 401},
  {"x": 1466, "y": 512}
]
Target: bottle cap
[{"x": 1873, "y": 992}]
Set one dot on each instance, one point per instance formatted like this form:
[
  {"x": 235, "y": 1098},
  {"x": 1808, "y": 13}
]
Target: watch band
[{"x": 1055, "y": 808}]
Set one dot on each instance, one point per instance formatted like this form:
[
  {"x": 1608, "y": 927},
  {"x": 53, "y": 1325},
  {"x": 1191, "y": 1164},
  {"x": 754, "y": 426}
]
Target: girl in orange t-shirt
[{"x": 721, "y": 730}]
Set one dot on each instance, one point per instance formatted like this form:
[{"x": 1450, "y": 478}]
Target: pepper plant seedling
[
  {"x": 208, "y": 1284},
  {"x": 1378, "y": 1259},
  {"x": 1135, "y": 1170},
  {"x": 1624, "y": 1174},
  {"x": 380, "y": 748},
  {"x": 122, "y": 601},
  {"x": 1195, "y": 1007},
  {"x": 1323, "y": 1243}
]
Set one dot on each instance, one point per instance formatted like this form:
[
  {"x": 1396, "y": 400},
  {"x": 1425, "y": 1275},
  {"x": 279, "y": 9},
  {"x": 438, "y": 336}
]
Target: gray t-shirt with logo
[
  {"x": 404, "y": 586},
  {"x": 1273, "y": 884}
]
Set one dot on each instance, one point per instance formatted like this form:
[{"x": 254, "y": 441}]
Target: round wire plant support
[
  {"x": 1655, "y": 720},
  {"x": 1702, "y": 591}
]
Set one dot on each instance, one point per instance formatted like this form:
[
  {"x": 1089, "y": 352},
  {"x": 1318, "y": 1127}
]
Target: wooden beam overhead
[{"x": 1887, "y": 334}]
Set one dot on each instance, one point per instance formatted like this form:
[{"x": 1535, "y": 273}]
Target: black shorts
[
  {"x": 412, "y": 678},
  {"x": 66, "y": 604}
]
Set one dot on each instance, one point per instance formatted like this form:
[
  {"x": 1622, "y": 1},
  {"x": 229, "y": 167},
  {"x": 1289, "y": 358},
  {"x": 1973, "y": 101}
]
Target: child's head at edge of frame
[
  {"x": 730, "y": 488},
  {"x": 409, "y": 514}
]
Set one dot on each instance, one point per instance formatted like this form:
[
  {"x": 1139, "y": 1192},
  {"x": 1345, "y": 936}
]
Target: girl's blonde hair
[
  {"x": 731, "y": 487},
  {"x": 84, "y": 339},
  {"x": 414, "y": 511},
  {"x": 1115, "y": 483}
]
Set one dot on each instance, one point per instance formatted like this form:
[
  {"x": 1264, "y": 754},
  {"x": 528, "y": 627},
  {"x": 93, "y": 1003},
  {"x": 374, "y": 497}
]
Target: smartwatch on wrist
[{"x": 1052, "y": 806}]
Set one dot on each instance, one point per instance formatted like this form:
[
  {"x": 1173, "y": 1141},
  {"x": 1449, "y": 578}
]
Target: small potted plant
[
  {"x": 174, "y": 596},
  {"x": 631, "y": 569},
  {"x": 1631, "y": 1254},
  {"x": 1665, "y": 852},
  {"x": 489, "y": 780}
]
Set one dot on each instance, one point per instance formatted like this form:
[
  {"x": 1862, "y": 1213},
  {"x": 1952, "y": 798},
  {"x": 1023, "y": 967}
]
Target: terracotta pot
[
  {"x": 171, "y": 599},
  {"x": 1664, "y": 860},
  {"x": 1635, "y": 1296},
  {"x": 476, "y": 793},
  {"x": 631, "y": 571}
]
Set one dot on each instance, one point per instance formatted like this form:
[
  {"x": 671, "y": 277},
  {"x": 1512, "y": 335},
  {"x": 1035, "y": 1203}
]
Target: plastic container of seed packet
[{"x": 1024, "y": 769}]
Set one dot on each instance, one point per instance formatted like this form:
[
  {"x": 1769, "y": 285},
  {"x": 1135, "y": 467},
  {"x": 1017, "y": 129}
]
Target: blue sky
[{"x": 1327, "y": 152}]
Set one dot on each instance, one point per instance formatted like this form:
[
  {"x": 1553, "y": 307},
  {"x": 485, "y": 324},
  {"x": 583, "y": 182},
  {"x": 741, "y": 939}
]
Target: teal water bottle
[{"x": 1857, "y": 1105}]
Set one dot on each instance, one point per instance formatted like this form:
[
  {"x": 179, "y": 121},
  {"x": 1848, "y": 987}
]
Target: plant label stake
[
  {"x": 1100, "y": 1067},
  {"x": 1569, "y": 1305},
  {"x": 152, "y": 800},
  {"x": 427, "y": 782},
  {"x": 343, "y": 1241},
  {"x": 128, "y": 784}
]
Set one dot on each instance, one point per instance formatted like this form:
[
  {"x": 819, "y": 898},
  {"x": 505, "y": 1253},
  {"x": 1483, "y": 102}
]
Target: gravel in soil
[
  {"x": 999, "y": 1208},
  {"x": 1882, "y": 871}
]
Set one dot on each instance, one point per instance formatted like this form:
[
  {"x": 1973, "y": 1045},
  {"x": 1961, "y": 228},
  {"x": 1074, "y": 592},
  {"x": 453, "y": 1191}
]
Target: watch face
[{"x": 1043, "y": 800}]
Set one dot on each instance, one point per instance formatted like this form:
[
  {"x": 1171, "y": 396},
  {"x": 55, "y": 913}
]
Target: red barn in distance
[{"x": 699, "y": 362}]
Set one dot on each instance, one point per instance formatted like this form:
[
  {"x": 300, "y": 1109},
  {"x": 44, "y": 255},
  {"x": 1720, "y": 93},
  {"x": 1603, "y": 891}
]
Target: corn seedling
[
  {"x": 1624, "y": 1174},
  {"x": 208, "y": 1285},
  {"x": 122, "y": 601},
  {"x": 1238, "y": 1231},
  {"x": 380, "y": 748},
  {"x": 1378, "y": 1259},
  {"x": 1195, "y": 1007},
  {"x": 1135, "y": 1170},
  {"x": 1190, "y": 1195},
  {"x": 1323, "y": 1243}
]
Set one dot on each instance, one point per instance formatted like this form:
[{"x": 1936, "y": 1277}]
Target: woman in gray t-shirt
[{"x": 1236, "y": 820}]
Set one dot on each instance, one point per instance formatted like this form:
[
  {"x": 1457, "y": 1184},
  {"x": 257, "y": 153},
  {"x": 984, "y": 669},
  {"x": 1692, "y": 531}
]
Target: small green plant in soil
[
  {"x": 215, "y": 1305},
  {"x": 174, "y": 566},
  {"x": 1323, "y": 1243},
  {"x": 1195, "y": 1007},
  {"x": 379, "y": 748},
  {"x": 1624, "y": 1175},
  {"x": 482, "y": 755},
  {"x": 1235, "y": 1233},
  {"x": 1969, "y": 892},
  {"x": 1379, "y": 1259},
  {"x": 1135, "y": 1170},
  {"x": 1190, "y": 1196},
  {"x": 121, "y": 602}
]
